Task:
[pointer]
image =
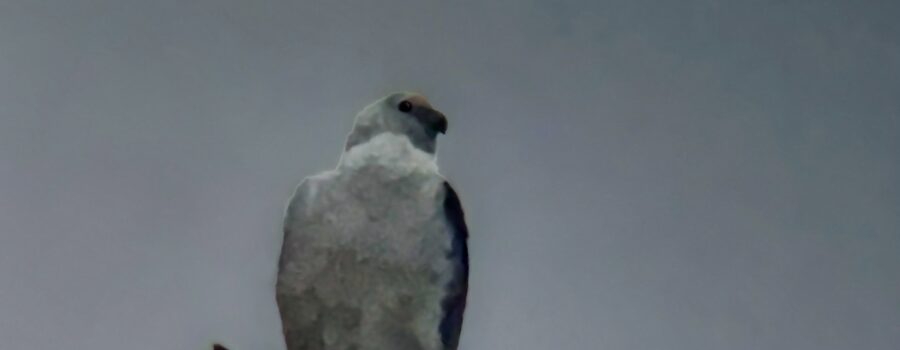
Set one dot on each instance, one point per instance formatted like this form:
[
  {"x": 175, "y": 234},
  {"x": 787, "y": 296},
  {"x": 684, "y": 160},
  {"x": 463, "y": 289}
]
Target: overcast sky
[{"x": 694, "y": 175}]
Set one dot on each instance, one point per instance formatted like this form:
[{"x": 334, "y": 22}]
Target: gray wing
[
  {"x": 454, "y": 304},
  {"x": 288, "y": 302}
]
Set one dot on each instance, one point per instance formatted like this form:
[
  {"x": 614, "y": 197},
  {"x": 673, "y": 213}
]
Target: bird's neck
[{"x": 391, "y": 151}]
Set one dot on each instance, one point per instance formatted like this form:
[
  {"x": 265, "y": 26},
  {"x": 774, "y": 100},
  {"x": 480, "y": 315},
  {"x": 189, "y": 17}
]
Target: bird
[{"x": 375, "y": 251}]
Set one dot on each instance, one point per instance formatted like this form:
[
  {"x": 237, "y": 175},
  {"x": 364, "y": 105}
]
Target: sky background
[{"x": 636, "y": 175}]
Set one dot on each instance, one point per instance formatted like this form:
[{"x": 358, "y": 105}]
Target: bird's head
[{"x": 402, "y": 113}]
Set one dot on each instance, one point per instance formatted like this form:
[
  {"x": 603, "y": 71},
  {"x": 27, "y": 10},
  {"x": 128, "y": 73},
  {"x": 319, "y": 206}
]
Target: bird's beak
[{"x": 431, "y": 119}]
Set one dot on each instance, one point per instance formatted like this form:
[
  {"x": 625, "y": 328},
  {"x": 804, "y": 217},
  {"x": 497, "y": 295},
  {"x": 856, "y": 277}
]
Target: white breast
[{"x": 369, "y": 243}]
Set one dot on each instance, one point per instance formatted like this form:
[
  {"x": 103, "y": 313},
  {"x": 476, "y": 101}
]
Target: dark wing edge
[{"x": 454, "y": 304}]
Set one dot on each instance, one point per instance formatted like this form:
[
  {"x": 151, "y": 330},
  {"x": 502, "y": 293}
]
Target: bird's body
[{"x": 372, "y": 259}]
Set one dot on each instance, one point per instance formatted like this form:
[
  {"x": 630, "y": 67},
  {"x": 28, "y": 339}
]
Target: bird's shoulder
[
  {"x": 306, "y": 192},
  {"x": 454, "y": 211}
]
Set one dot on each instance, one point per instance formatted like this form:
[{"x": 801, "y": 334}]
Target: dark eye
[{"x": 405, "y": 106}]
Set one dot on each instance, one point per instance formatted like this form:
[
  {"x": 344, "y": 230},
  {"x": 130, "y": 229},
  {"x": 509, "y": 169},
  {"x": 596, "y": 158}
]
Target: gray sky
[{"x": 637, "y": 175}]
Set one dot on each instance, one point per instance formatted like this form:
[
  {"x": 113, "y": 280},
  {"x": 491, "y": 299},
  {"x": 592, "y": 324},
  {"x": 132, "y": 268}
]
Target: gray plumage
[{"x": 372, "y": 259}]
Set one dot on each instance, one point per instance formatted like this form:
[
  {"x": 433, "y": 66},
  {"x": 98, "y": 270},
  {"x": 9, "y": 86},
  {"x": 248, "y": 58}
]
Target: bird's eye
[{"x": 405, "y": 106}]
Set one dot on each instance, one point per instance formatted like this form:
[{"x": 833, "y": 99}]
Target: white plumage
[{"x": 370, "y": 259}]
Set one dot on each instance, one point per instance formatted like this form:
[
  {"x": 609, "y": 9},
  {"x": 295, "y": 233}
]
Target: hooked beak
[{"x": 431, "y": 119}]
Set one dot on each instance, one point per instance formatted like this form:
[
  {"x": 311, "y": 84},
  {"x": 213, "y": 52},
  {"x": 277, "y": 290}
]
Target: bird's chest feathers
[{"x": 384, "y": 202}]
